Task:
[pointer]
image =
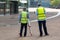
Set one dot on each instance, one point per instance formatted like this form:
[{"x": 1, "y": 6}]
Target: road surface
[{"x": 9, "y": 28}]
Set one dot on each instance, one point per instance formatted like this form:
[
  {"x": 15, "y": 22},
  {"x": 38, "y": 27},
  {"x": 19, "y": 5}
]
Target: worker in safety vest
[
  {"x": 23, "y": 19},
  {"x": 41, "y": 16}
]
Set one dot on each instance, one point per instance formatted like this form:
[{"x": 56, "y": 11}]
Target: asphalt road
[{"x": 9, "y": 28}]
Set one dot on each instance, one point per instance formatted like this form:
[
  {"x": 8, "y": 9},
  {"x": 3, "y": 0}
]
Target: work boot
[
  {"x": 41, "y": 35},
  {"x": 46, "y": 34},
  {"x": 20, "y": 35},
  {"x": 24, "y": 35}
]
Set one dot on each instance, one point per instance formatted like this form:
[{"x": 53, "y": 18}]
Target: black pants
[
  {"x": 42, "y": 23},
  {"x": 21, "y": 30}
]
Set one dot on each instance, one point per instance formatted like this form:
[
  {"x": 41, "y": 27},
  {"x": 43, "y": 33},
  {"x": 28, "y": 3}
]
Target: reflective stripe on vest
[
  {"x": 41, "y": 13},
  {"x": 24, "y": 17}
]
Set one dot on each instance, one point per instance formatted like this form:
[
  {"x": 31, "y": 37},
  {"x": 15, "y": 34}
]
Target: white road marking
[
  {"x": 47, "y": 10},
  {"x": 48, "y": 17},
  {"x": 54, "y": 16}
]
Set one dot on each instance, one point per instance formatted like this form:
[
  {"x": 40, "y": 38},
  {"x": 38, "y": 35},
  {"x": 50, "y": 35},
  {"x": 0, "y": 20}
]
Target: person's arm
[
  {"x": 29, "y": 20},
  {"x": 19, "y": 17},
  {"x": 44, "y": 10},
  {"x": 36, "y": 13}
]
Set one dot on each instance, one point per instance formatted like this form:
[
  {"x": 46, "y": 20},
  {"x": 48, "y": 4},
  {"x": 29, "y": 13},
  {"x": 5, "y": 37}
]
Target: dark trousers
[
  {"x": 42, "y": 23},
  {"x": 21, "y": 30}
]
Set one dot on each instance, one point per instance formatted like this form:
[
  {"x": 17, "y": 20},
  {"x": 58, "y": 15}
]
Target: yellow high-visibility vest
[
  {"x": 24, "y": 18},
  {"x": 41, "y": 13}
]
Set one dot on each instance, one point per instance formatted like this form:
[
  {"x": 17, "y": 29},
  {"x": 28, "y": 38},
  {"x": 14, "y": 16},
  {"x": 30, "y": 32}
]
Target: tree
[{"x": 55, "y": 3}]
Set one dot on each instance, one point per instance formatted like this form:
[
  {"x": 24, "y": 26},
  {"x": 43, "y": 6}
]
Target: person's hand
[{"x": 29, "y": 25}]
